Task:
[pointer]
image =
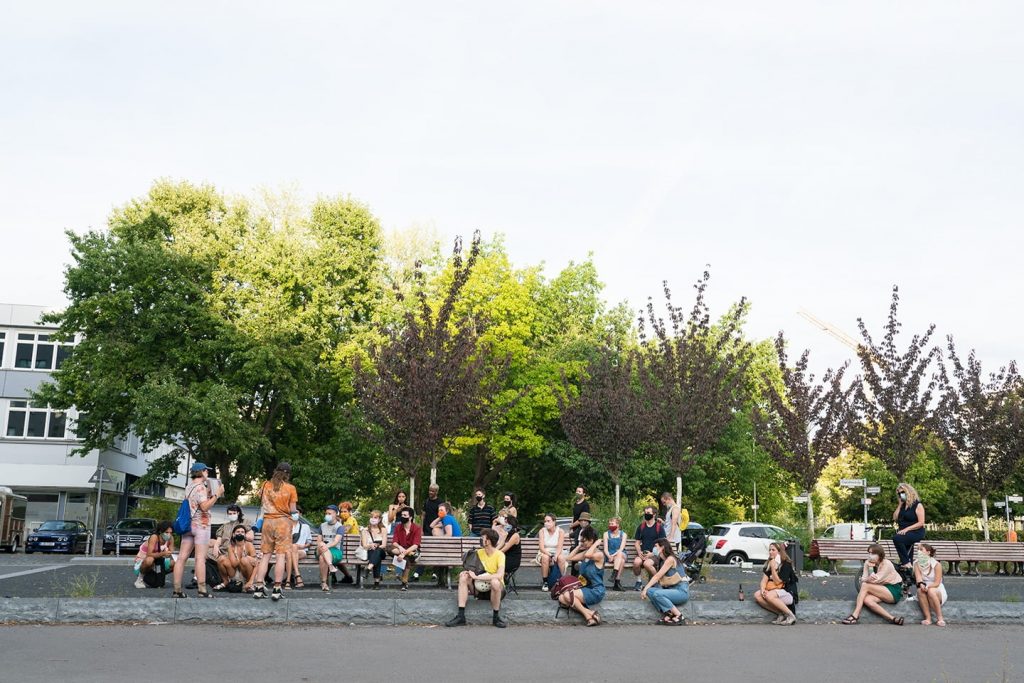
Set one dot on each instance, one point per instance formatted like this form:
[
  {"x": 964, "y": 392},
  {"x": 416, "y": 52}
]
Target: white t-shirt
[{"x": 304, "y": 534}]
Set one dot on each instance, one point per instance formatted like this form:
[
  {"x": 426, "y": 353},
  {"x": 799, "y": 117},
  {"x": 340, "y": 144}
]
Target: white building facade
[{"x": 36, "y": 442}]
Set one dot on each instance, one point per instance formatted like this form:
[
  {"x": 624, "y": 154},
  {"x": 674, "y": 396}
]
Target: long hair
[
  {"x": 877, "y": 550},
  {"x": 912, "y": 496},
  {"x": 380, "y": 524},
  {"x": 400, "y": 493},
  {"x": 282, "y": 473},
  {"x": 783, "y": 555}
]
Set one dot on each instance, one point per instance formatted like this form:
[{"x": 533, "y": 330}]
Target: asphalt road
[
  {"x": 481, "y": 653},
  {"x": 53, "y": 576}
]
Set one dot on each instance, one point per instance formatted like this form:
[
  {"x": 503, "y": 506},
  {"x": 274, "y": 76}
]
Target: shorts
[
  {"x": 277, "y": 536},
  {"x": 592, "y": 595},
  {"x": 942, "y": 593},
  {"x": 336, "y": 555},
  {"x": 200, "y": 534},
  {"x": 896, "y": 589},
  {"x": 784, "y": 595}
]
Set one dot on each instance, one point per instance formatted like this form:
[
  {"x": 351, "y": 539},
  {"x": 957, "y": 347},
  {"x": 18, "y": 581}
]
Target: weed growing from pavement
[
  {"x": 1011, "y": 597},
  {"x": 83, "y": 586}
]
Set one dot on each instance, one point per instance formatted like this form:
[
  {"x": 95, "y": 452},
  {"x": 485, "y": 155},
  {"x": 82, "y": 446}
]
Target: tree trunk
[
  {"x": 810, "y": 516},
  {"x": 679, "y": 490},
  {"x": 616, "y": 500},
  {"x": 984, "y": 515},
  {"x": 412, "y": 491},
  {"x": 433, "y": 471}
]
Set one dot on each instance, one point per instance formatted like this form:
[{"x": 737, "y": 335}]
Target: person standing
[
  {"x": 405, "y": 546},
  {"x": 672, "y": 511},
  {"x": 909, "y": 518},
  {"x": 578, "y": 508},
  {"x": 486, "y": 586},
  {"x": 390, "y": 519},
  {"x": 279, "y": 500},
  {"x": 200, "y": 500},
  {"x": 508, "y": 506},
  {"x": 481, "y": 515},
  {"x": 649, "y": 531}
]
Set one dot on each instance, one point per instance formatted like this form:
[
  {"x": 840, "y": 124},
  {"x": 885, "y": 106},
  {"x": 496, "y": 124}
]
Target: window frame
[
  {"x": 58, "y": 351},
  {"x": 27, "y": 409}
]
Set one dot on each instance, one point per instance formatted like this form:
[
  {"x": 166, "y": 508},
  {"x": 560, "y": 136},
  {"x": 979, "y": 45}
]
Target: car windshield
[
  {"x": 58, "y": 526},
  {"x": 778, "y": 534},
  {"x": 134, "y": 524}
]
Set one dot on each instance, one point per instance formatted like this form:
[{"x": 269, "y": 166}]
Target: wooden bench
[
  {"x": 951, "y": 552},
  {"x": 999, "y": 552}
]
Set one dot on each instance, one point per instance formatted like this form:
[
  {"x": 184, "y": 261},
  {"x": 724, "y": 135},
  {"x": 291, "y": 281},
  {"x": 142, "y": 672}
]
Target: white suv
[{"x": 744, "y": 541}]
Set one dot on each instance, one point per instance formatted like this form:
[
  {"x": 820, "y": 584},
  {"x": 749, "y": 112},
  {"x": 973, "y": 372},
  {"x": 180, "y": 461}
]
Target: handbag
[
  {"x": 566, "y": 583},
  {"x": 362, "y": 554},
  {"x": 774, "y": 585}
]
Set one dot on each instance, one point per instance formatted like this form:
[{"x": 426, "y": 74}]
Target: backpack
[
  {"x": 183, "y": 521},
  {"x": 566, "y": 583}
]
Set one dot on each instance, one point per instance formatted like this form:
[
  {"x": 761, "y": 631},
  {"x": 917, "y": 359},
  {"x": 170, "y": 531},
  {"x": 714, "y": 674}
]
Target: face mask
[
  {"x": 238, "y": 538},
  {"x": 613, "y": 527},
  {"x": 648, "y": 516},
  {"x": 329, "y": 519},
  {"x": 295, "y": 516},
  {"x": 166, "y": 537},
  {"x": 508, "y": 502},
  {"x": 874, "y": 558},
  {"x": 479, "y": 498},
  {"x": 406, "y": 520},
  {"x": 232, "y": 518},
  {"x": 508, "y": 527},
  {"x": 374, "y": 521},
  {"x": 903, "y": 496},
  {"x": 345, "y": 515},
  {"x": 922, "y": 559}
]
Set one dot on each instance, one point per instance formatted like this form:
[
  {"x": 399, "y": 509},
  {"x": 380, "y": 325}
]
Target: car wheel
[{"x": 735, "y": 558}]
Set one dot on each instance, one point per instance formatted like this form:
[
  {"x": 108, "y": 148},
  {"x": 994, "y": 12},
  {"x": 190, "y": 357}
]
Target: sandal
[
  {"x": 940, "y": 622},
  {"x": 665, "y": 620},
  {"x": 926, "y": 622},
  {"x": 204, "y": 594},
  {"x": 178, "y": 594},
  {"x": 850, "y": 620},
  {"x": 249, "y": 589},
  {"x": 325, "y": 588},
  {"x": 897, "y": 621},
  {"x": 299, "y": 585}
]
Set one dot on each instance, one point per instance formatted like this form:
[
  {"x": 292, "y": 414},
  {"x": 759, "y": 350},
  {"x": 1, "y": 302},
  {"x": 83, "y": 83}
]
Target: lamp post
[{"x": 99, "y": 476}]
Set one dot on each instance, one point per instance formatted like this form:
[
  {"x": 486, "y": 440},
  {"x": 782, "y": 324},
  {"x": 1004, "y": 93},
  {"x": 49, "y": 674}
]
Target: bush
[{"x": 158, "y": 509}]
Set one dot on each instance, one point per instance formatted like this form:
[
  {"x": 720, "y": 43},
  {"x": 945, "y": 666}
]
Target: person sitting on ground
[
  {"x": 302, "y": 536},
  {"x": 405, "y": 545},
  {"x": 350, "y": 527},
  {"x": 512, "y": 547},
  {"x": 508, "y": 506},
  {"x": 219, "y": 544},
  {"x": 239, "y": 557},
  {"x": 778, "y": 592},
  {"x": 550, "y": 553},
  {"x": 931, "y": 595},
  {"x": 329, "y": 549},
  {"x": 489, "y": 585},
  {"x": 615, "y": 550},
  {"x": 590, "y": 555},
  {"x": 445, "y": 524},
  {"x": 155, "y": 557},
  {"x": 668, "y": 587},
  {"x": 374, "y": 538},
  {"x": 649, "y": 531},
  {"x": 880, "y": 583}
]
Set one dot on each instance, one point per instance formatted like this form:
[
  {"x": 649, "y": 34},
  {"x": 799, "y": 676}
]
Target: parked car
[
  {"x": 127, "y": 535},
  {"x": 744, "y": 541},
  {"x": 58, "y": 536},
  {"x": 561, "y": 522}
]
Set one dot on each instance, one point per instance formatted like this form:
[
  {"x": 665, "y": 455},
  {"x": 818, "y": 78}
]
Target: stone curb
[{"x": 418, "y": 611}]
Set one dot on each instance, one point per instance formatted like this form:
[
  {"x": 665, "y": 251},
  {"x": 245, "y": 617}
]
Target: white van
[{"x": 852, "y": 531}]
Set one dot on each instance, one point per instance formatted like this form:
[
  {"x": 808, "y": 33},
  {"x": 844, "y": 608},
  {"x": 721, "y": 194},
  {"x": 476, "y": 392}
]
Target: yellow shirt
[
  {"x": 350, "y": 525},
  {"x": 493, "y": 562}
]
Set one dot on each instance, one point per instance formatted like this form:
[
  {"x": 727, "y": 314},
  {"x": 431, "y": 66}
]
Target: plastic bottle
[
  {"x": 742, "y": 597},
  {"x": 138, "y": 563}
]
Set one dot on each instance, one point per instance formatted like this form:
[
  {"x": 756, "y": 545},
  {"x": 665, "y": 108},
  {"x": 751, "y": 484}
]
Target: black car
[
  {"x": 127, "y": 535},
  {"x": 58, "y": 536}
]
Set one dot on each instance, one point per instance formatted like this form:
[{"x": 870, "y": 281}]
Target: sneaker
[
  {"x": 544, "y": 587},
  {"x": 415, "y": 576},
  {"x": 276, "y": 594},
  {"x": 457, "y": 620},
  {"x": 618, "y": 587},
  {"x": 139, "y": 583},
  {"x": 638, "y": 586},
  {"x": 259, "y": 593},
  {"x": 779, "y": 619},
  {"x": 404, "y": 587},
  {"x": 347, "y": 579},
  {"x": 499, "y": 622}
]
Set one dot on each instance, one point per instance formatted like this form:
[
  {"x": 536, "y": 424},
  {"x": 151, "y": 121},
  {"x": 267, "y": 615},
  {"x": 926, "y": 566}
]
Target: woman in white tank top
[
  {"x": 552, "y": 541},
  {"x": 931, "y": 594}
]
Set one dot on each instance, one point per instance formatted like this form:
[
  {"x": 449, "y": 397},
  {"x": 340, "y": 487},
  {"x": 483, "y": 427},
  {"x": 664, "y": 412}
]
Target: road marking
[{"x": 48, "y": 568}]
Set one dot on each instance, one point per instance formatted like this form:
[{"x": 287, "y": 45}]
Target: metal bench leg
[{"x": 972, "y": 568}]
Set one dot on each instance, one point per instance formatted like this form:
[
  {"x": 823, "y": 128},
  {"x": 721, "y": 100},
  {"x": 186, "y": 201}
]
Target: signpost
[
  {"x": 98, "y": 477},
  {"x": 1005, "y": 503},
  {"x": 865, "y": 501}
]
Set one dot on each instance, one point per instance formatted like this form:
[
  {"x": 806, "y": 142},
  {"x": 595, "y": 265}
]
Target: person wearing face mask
[
  {"x": 279, "y": 500},
  {"x": 931, "y": 594},
  {"x": 350, "y": 527},
  {"x": 302, "y": 536},
  {"x": 405, "y": 546},
  {"x": 393, "y": 510},
  {"x": 219, "y": 543},
  {"x": 551, "y": 553},
  {"x": 329, "y": 549},
  {"x": 615, "y": 551},
  {"x": 578, "y": 508},
  {"x": 200, "y": 498},
  {"x": 508, "y": 505},
  {"x": 880, "y": 584},
  {"x": 374, "y": 538},
  {"x": 649, "y": 531},
  {"x": 512, "y": 546},
  {"x": 445, "y": 524},
  {"x": 155, "y": 557},
  {"x": 909, "y": 519},
  {"x": 777, "y": 592},
  {"x": 239, "y": 558},
  {"x": 481, "y": 514}
]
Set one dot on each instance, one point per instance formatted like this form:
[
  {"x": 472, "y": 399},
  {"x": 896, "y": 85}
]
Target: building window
[
  {"x": 28, "y": 420},
  {"x": 39, "y": 352}
]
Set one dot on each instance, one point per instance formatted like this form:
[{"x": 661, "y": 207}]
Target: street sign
[
  {"x": 755, "y": 507},
  {"x": 851, "y": 483},
  {"x": 799, "y": 499},
  {"x": 1015, "y": 499},
  {"x": 100, "y": 475},
  {"x": 999, "y": 504},
  {"x": 865, "y": 501},
  {"x": 874, "y": 489}
]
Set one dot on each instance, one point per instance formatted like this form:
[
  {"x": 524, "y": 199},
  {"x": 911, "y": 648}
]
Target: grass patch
[
  {"x": 80, "y": 586},
  {"x": 1011, "y": 597}
]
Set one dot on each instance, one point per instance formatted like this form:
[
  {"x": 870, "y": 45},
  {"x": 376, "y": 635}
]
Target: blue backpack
[{"x": 183, "y": 522}]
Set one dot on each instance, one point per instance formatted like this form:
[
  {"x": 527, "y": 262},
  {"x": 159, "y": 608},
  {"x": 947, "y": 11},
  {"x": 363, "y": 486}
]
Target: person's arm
[
  {"x": 667, "y": 564},
  {"x": 896, "y": 512},
  {"x": 211, "y": 500},
  {"x": 595, "y": 553},
  {"x": 938, "y": 575},
  {"x": 561, "y": 541},
  {"x": 764, "y": 583},
  {"x": 293, "y": 500},
  {"x": 448, "y": 530},
  {"x": 636, "y": 542},
  {"x": 917, "y": 577},
  {"x": 865, "y": 574}
]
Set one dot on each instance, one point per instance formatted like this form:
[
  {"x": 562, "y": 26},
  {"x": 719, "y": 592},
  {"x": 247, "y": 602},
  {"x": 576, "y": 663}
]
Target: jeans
[
  {"x": 664, "y": 598},
  {"x": 376, "y": 558},
  {"x": 905, "y": 544}
]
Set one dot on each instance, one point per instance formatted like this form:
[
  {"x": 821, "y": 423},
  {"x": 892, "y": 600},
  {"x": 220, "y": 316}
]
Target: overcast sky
[{"x": 813, "y": 153}]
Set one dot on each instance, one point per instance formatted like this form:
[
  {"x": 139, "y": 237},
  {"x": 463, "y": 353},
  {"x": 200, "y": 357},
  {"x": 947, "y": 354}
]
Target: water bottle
[{"x": 138, "y": 563}]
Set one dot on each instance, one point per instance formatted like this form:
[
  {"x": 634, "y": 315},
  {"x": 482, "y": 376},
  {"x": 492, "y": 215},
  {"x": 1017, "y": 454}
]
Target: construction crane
[{"x": 829, "y": 329}]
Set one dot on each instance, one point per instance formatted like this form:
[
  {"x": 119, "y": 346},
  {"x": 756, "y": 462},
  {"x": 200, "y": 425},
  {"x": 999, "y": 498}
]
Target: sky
[{"x": 814, "y": 154}]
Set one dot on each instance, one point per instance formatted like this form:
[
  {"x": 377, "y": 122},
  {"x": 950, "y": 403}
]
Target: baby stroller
[{"x": 692, "y": 551}]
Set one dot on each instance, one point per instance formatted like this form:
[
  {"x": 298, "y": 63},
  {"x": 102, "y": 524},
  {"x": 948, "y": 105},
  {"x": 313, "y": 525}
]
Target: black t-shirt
[
  {"x": 480, "y": 518},
  {"x": 788, "y": 577},
  {"x": 514, "y": 557},
  {"x": 430, "y": 511},
  {"x": 579, "y": 508},
  {"x": 647, "y": 535}
]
